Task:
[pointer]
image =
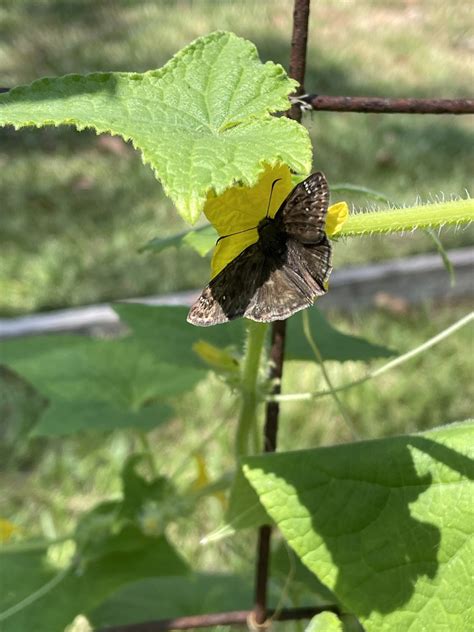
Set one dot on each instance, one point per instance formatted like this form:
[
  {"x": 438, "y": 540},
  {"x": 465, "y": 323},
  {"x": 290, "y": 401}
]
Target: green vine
[
  {"x": 249, "y": 386},
  {"x": 407, "y": 219}
]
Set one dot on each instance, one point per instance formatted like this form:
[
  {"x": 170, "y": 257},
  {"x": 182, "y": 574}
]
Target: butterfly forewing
[
  {"x": 267, "y": 284},
  {"x": 229, "y": 293},
  {"x": 303, "y": 213}
]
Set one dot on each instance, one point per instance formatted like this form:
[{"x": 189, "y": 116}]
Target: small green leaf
[
  {"x": 202, "y": 122},
  {"x": 158, "y": 244},
  {"x": 137, "y": 490},
  {"x": 355, "y": 188},
  {"x": 386, "y": 524},
  {"x": 202, "y": 240}
]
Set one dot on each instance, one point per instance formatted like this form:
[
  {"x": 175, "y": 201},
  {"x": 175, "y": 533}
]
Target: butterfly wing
[
  {"x": 229, "y": 293},
  {"x": 265, "y": 288},
  {"x": 292, "y": 284},
  {"x": 303, "y": 213}
]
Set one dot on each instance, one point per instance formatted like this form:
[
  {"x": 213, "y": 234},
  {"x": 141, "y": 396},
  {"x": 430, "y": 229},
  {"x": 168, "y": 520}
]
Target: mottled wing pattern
[
  {"x": 229, "y": 293},
  {"x": 303, "y": 213},
  {"x": 317, "y": 260},
  {"x": 267, "y": 287},
  {"x": 294, "y": 283}
]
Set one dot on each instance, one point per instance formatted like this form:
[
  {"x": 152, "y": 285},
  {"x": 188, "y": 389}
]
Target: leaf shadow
[{"x": 363, "y": 518}]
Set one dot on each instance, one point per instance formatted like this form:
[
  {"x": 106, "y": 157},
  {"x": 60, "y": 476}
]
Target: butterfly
[{"x": 283, "y": 271}]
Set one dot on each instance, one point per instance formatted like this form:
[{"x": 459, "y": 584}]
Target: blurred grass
[{"x": 76, "y": 208}]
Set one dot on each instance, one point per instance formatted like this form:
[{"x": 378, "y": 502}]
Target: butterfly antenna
[
  {"x": 270, "y": 199},
  {"x": 239, "y": 232}
]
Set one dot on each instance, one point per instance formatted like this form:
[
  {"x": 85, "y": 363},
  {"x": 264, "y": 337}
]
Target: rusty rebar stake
[
  {"x": 381, "y": 105},
  {"x": 297, "y": 69},
  {"x": 236, "y": 617}
]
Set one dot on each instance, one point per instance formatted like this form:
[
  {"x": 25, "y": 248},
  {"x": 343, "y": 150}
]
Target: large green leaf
[
  {"x": 202, "y": 122},
  {"x": 98, "y": 384},
  {"x": 387, "y": 525},
  {"x": 82, "y": 589},
  {"x": 166, "y": 329}
]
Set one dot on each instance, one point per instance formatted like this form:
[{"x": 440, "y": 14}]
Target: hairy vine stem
[{"x": 249, "y": 383}]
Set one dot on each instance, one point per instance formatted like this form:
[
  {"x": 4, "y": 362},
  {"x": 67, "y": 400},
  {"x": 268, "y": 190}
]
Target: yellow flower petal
[
  {"x": 7, "y": 529},
  {"x": 241, "y": 209},
  {"x": 228, "y": 249},
  {"x": 202, "y": 478},
  {"x": 337, "y": 215}
]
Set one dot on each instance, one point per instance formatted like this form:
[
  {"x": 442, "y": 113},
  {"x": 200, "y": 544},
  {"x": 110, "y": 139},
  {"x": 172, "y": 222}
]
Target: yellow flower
[
  {"x": 214, "y": 356},
  {"x": 203, "y": 479},
  {"x": 337, "y": 215},
  {"x": 7, "y": 529},
  {"x": 239, "y": 210}
]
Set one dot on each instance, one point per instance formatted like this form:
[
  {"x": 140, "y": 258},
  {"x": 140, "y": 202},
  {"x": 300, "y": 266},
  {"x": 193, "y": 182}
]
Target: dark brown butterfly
[{"x": 283, "y": 272}]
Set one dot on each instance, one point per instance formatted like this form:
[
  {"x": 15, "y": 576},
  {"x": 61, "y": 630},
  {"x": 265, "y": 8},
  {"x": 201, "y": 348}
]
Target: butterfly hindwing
[
  {"x": 284, "y": 293},
  {"x": 316, "y": 259},
  {"x": 303, "y": 213}
]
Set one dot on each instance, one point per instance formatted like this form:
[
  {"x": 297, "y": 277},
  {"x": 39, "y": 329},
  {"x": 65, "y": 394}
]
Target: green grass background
[{"x": 75, "y": 209}]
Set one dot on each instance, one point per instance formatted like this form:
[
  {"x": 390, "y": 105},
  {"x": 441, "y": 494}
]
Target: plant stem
[
  {"x": 407, "y": 219},
  {"x": 299, "y": 40},
  {"x": 249, "y": 384},
  {"x": 148, "y": 452},
  {"x": 293, "y": 397},
  {"x": 312, "y": 343}
]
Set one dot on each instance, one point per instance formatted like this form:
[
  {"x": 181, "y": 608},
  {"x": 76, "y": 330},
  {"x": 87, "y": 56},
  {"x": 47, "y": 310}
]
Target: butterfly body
[
  {"x": 272, "y": 237},
  {"x": 283, "y": 272}
]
